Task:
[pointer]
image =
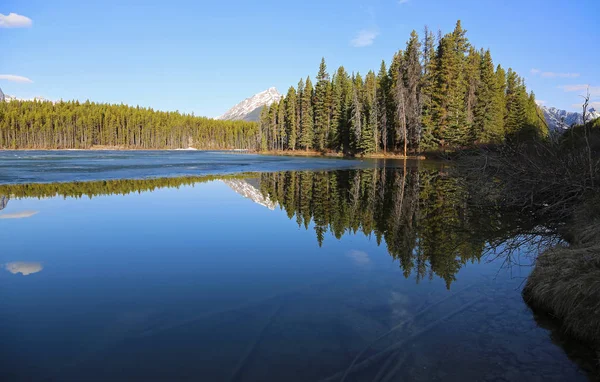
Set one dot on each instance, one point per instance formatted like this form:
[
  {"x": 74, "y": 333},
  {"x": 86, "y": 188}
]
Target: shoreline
[
  {"x": 311, "y": 153},
  {"x": 295, "y": 153}
]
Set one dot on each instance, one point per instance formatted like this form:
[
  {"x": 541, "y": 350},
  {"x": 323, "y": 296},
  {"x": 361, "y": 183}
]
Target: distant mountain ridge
[
  {"x": 560, "y": 120},
  {"x": 249, "y": 109}
]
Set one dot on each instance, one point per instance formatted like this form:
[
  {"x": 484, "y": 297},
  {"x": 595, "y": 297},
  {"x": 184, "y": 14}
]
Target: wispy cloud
[
  {"x": 582, "y": 88},
  {"x": 13, "y": 20},
  {"x": 536, "y": 72},
  {"x": 595, "y": 105},
  {"x": 403, "y": 1},
  {"x": 14, "y": 78},
  {"x": 364, "y": 38},
  {"x": 359, "y": 257}
]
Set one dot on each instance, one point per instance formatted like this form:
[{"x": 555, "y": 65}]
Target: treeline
[
  {"x": 440, "y": 92},
  {"x": 424, "y": 216},
  {"x": 106, "y": 187},
  {"x": 75, "y": 125}
]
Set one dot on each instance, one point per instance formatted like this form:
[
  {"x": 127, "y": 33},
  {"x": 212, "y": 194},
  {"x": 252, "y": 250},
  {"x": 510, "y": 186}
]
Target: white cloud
[
  {"x": 19, "y": 215},
  {"x": 540, "y": 102},
  {"x": 364, "y": 38},
  {"x": 582, "y": 88},
  {"x": 14, "y": 78},
  {"x": 359, "y": 257},
  {"x": 559, "y": 75},
  {"x": 536, "y": 72},
  {"x": 24, "y": 268},
  {"x": 14, "y": 20}
]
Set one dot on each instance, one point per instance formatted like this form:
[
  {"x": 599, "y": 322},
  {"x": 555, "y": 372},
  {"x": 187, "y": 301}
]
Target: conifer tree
[
  {"x": 412, "y": 80},
  {"x": 321, "y": 108},
  {"x": 307, "y": 132},
  {"x": 427, "y": 88},
  {"x": 383, "y": 89},
  {"x": 487, "y": 111},
  {"x": 368, "y": 137},
  {"x": 291, "y": 122},
  {"x": 356, "y": 114}
]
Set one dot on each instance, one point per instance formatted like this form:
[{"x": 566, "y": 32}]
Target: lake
[{"x": 253, "y": 268}]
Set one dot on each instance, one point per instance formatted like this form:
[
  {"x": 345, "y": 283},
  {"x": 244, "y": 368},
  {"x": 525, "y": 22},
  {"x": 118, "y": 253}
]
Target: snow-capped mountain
[
  {"x": 3, "y": 202},
  {"x": 559, "y": 120},
  {"x": 249, "y": 109},
  {"x": 248, "y": 190},
  {"x": 8, "y": 98}
]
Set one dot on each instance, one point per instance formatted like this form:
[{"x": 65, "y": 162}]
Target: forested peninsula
[{"x": 439, "y": 93}]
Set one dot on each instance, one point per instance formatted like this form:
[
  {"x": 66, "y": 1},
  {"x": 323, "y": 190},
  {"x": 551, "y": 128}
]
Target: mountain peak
[
  {"x": 559, "y": 120},
  {"x": 249, "y": 109}
]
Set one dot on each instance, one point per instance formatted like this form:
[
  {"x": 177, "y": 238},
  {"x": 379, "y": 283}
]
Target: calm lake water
[{"x": 296, "y": 270}]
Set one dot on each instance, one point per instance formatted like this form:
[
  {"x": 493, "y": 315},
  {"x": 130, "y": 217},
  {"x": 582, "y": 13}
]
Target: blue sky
[{"x": 205, "y": 56}]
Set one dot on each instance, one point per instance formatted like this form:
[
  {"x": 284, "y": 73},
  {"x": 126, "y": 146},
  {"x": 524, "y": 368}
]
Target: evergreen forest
[{"x": 438, "y": 93}]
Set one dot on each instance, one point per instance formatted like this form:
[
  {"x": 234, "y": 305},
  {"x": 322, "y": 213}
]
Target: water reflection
[
  {"x": 24, "y": 268},
  {"x": 203, "y": 283},
  {"x": 3, "y": 202},
  {"x": 18, "y": 215},
  {"x": 424, "y": 216}
]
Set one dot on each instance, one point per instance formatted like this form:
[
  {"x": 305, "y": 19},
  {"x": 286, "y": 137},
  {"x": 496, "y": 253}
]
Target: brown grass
[
  {"x": 566, "y": 283},
  {"x": 313, "y": 153}
]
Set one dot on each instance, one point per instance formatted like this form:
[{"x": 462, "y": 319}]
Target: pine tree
[
  {"x": 488, "y": 126},
  {"x": 512, "y": 112},
  {"x": 356, "y": 114},
  {"x": 281, "y": 128},
  {"x": 264, "y": 125},
  {"x": 368, "y": 137},
  {"x": 307, "y": 127},
  {"x": 427, "y": 88},
  {"x": 412, "y": 79},
  {"x": 500, "y": 101},
  {"x": 321, "y": 108},
  {"x": 472, "y": 82},
  {"x": 336, "y": 111},
  {"x": 382, "y": 102},
  {"x": 291, "y": 123}
]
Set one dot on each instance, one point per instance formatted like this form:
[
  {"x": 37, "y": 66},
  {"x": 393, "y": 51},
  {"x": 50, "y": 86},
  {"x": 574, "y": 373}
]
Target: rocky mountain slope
[
  {"x": 559, "y": 120},
  {"x": 249, "y": 109},
  {"x": 251, "y": 191}
]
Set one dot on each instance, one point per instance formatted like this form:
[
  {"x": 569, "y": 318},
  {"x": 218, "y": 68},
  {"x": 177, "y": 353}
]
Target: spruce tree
[
  {"x": 487, "y": 128},
  {"x": 291, "y": 123},
  {"x": 368, "y": 137},
  {"x": 428, "y": 140},
  {"x": 356, "y": 114},
  {"x": 307, "y": 128},
  {"x": 382, "y": 102},
  {"x": 412, "y": 79},
  {"x": 320, "y": 107}
]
